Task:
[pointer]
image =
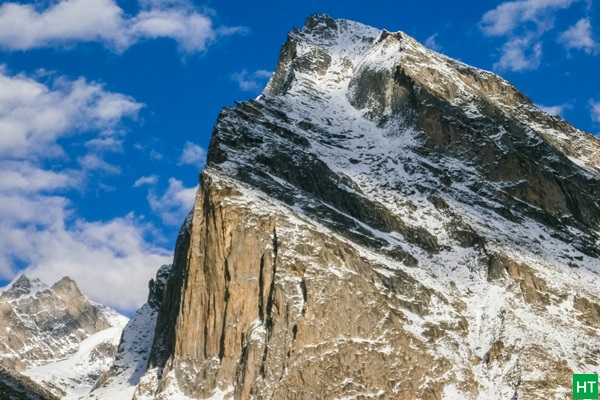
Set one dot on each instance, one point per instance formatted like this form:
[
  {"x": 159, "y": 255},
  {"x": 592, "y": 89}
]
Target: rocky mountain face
[
  {"x": 383, "y": 222},
  {"x": 55, "y": 335}
]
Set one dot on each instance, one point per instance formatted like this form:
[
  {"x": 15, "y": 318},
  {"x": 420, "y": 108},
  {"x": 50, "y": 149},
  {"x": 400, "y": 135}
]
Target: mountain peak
[
  {"x": 319, "y": 22},
  {"x": 381, "y": 72},
  {"x": 66, "y": 285},
  {"x": 41, "y": 324},
  {"x": 24, "y": 286}
]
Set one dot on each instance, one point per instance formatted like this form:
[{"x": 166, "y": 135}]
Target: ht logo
[{"x": 585, "y": 386}]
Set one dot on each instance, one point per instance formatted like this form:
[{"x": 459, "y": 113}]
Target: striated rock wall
[{"x": 266, "y": 296}]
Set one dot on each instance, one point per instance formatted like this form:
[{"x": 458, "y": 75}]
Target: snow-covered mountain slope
[
  {"x": 56, "y": 335},
  {"x": 75, "y": 376},
  {"x": 119, "y": 381},
  {"x": 384, "y": 222}
]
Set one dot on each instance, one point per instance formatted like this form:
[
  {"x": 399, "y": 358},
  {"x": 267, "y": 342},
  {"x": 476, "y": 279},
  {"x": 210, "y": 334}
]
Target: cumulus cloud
[
  {"x": 522, "y": 23},
  {"x": 29, "y": 178},
  {"x": 251, "y": 81},
  {"x": 111, "y": 261},
  {"x": 192, "y": 155},
  {"x": 25, "y": 26},
  {"x": 174, "y": 204},
  {"x": 33, "y": 115},
  {"x": 520, "y": 54},
  {"x": 93, "y": 162},
  {"x": 511, "y": 15},
  {"x": 40, "y": 227},
  {"x": 580, "y": 37}
]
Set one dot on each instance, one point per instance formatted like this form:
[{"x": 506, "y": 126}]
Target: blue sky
[{"x": 107, "y": 108}]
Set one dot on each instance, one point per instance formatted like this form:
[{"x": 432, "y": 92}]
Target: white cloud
[
  {"x": 523, "y": 24},
  {"x": 432, "y": 44},
  {"x": 93, "y": 162},
  {"x": 595, "y": 110},
  {"x": 251, "y": 81},
  {"x": 106, "y": 144},
  {"x": 29, "y": 178},
  {"x": 193, "y": 155},
  {"x": 520, "y": 54},
  {"x": 146, "y": 180},
  {"x": 33, "y": 116},
  {"x": 33, "y": 209},
  {"x": 155, "y": 155},
  {"x": 580, "y": 37},
  {"x": 174, "y": 204},
  {"x": 25, "y": 26},
  {"x": 40, "y": 227},
  {"x": 110, "y": 261},
  {"x": 511, "y": 15}
]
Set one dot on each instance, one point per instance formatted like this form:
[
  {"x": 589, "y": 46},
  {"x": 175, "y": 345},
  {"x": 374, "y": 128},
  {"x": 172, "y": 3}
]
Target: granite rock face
[{"x": 384, "y": 222}]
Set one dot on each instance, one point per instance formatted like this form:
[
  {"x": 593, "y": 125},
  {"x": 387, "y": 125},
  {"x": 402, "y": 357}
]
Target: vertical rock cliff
[{"x": 384, "y": 222}]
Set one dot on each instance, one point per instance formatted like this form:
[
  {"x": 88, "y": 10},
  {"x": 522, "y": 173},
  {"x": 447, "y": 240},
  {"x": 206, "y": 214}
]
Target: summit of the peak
[
  {"x": 335, "y": 88},
  {"x": 326, "y": 30},
  {"x": 67, "y": 287},
  {"x": 384, "y": 75},
  {"x": 24, "y": 286},
  {"x": 319, "y": 21}
]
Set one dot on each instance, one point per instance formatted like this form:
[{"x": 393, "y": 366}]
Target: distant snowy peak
[
  {"x": 40, "y": 324},
  {"x": 23, "y": 286},
  {"x": 56, "y": 336}
]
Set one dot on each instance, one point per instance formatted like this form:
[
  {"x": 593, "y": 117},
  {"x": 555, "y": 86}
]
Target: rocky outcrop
[
  {"x": 14, "y": 386},
  {"x": 383, "y": 222}
]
